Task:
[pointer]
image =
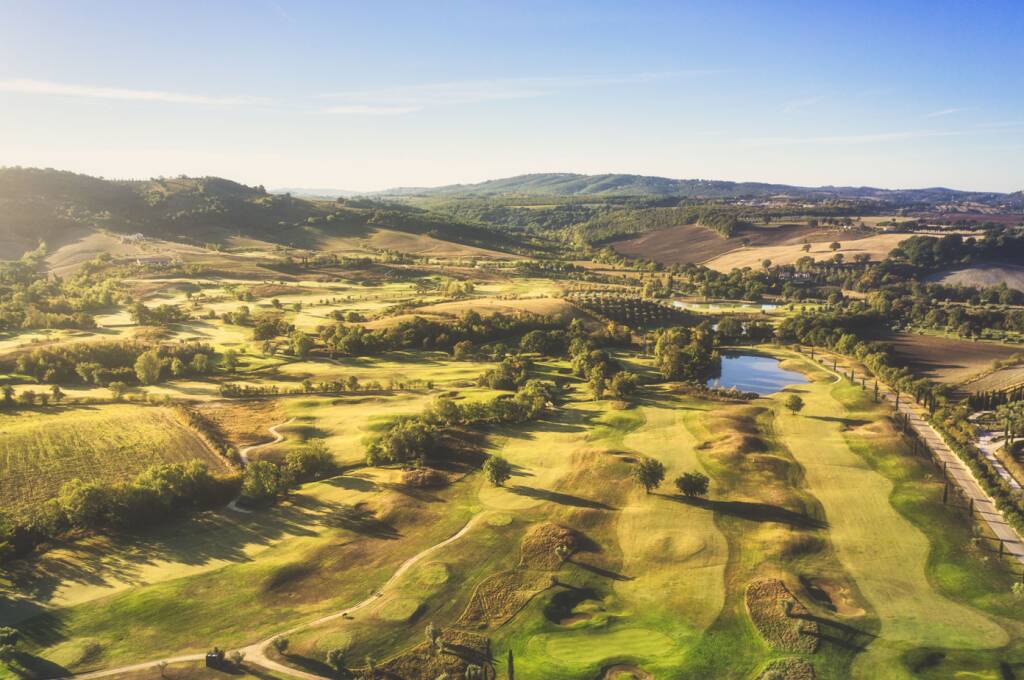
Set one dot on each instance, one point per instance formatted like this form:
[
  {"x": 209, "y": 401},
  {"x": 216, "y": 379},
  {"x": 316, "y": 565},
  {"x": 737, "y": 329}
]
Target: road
[{"x": 957, "y": 471}]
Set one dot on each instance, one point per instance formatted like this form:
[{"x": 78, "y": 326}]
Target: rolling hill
[
  {"x": 571, "y": 184},
  {"x": 64, "y": 208}
]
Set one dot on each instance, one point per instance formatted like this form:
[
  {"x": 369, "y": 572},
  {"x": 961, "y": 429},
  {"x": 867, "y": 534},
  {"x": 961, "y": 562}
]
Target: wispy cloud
[
  {"x": 795, "y": 105},
  {"x": 410, "y": 98},
  {"x": 869, "y": 138},
  {"x": 45, "y": 87},
  {"x": 945, "y": 112},
  {"x": 370, "y": 110}
]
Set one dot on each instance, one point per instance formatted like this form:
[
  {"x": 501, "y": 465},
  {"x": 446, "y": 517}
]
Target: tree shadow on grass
[
  {"x": 362, "y": 521},
  {"x": 558, "y": 497},
  {"x": 840, "y": 634},
  {"x": 198, "y": 540},
  {"x": 754, "y": 512},
  {"x": 848, "y": 422},
  {"x": 30, "y": 666},
  {"x": 311, "y": 665},
  {"x": 601, "y": 571}
]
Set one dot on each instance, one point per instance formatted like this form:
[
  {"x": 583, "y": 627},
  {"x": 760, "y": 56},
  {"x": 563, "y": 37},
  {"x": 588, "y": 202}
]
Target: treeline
[
  {"x": 416, "y": 440},
  {"x": 420, "y": 333},
  {"x": 104, "y": 363},
  {"x": 153, "y": 496},
  {"x": 31, "y": 298}
]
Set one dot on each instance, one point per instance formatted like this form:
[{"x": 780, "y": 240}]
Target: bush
[
  {"x": 310, "y": 462},
  {"x": 693, "y": 484},
  {"x": 263, "y": 482},
  {"x": 498, "y": 470}
]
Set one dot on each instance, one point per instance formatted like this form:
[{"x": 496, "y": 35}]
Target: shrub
[
  {"x": 498, "y": 470},
  {"x": 693, "y": 484}
]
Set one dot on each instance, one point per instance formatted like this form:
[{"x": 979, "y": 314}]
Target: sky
[{"x": 373, "y": 94}]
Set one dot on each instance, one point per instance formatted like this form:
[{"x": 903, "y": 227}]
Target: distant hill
[
  {"x": 570, "y": 184},
  {"x": 62, "y": 207},
  {"x": 317, "y": 193}
]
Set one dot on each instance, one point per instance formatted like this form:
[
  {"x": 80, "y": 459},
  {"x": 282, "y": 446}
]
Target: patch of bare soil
[
  {"x": 948, "y": 360},
  {"x": 692, "y": 243}
]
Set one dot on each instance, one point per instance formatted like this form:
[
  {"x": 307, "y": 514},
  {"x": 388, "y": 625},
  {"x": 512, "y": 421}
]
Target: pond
[{"x": 755, "y": 373}]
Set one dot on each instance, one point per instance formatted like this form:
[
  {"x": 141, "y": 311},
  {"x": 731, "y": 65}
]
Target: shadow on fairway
[
  {"x": 557, "y": 497},
  {"x": 754, "y": 512}
]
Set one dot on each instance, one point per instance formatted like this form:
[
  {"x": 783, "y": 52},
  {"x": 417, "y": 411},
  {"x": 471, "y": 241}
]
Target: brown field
[
  {"x": 877, "y": 246},
  {"x": 693, "y": 243},
  {"x": 947, "y": 360},
  {"x": 1002, "y": 379},
  {"x": 243, "y": 422},
  {"x": 984, "y": 275}
]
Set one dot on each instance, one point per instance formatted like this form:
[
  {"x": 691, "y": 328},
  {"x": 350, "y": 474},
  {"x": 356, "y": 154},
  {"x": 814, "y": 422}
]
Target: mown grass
[
  {"x": 42, "y": 449},
  {"x": 320, "y": 567}
]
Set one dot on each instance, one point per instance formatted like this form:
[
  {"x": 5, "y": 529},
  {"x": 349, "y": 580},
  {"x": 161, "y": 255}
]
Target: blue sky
[{"x": 368, "y": 95}]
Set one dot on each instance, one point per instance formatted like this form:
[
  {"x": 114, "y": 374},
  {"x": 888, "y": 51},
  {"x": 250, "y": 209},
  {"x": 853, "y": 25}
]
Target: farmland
[
  {"x": 948, "y": 360},
  {"x": 41, "y": 451}
]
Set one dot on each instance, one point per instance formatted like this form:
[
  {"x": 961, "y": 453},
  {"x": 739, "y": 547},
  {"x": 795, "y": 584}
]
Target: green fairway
[{"x": 883, "y": 551}]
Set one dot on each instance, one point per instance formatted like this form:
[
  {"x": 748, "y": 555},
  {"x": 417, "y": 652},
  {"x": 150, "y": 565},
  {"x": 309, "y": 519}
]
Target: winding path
[
  {"x": 256, "y": 652},
  {"x": 243, "y": 455}
]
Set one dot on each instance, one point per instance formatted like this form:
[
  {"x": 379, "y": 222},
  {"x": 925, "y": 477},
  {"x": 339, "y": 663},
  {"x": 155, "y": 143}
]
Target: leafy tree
[
  {"x": 498, "y": 470},
  {"x": 230, "y": 360},
  {"x": 117, "y": 389},
  {"x": 148, "y": 366},
  {"x": 8, "y": 644},
  {"x": 794, "y": 403},
  {"x": 433, "y": 634},
  {"x": 301, "y": 344},
  {"x": 310, "y": 462},
  {"x": 200, "y": 364},
  {"x": 8, "y": 391},
  {"x": 263, "y": 482},
  {"x": 834, "y": 246},
  {"x": 336, "y": 659},
  {"x": 280, "y": 644},
  {"x": 650, "y": 473},
  {"x": 693, "y": 484},
  {"x": 57, "y": 393},
  {"x": 623, "y": 385},
  {"x": 237, "y": 657},
  {"x": 177, "y": 367},
  {"x": 597, "y": 382}
]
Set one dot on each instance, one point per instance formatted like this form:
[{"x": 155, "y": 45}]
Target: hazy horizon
[{"x": 365, "y": 98}]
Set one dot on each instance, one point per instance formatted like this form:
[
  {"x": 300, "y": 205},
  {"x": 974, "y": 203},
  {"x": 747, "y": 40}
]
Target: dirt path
[
  {"x": 256, "y": 653},
  {"x": 243, "y": 455},
  {"x": 957, "y": 471}
]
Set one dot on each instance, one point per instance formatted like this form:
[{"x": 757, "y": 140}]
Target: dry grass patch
[
  {"x": 780, "y": 618},
  {"x": 244, "y": 423},
  {"x": 793, "y": 668},
  {"x": 458, "y": 651},
  {"x": 500, "y": 596}
]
